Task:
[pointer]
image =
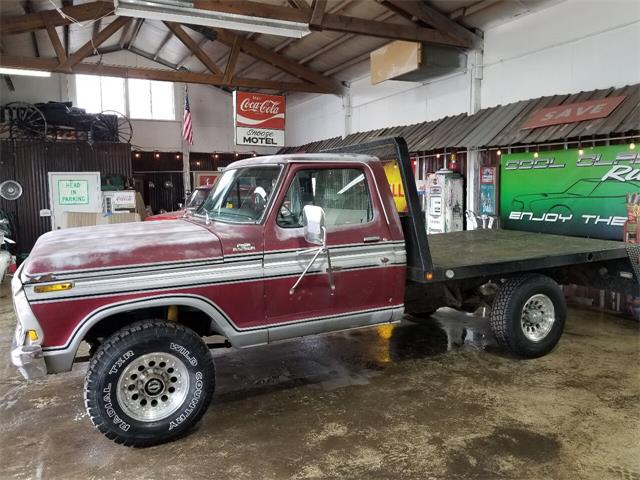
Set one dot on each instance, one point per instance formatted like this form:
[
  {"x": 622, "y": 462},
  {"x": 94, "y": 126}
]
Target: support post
[
  {"x": 186, "y": 168},
  {"x": 474, "y": 71}
]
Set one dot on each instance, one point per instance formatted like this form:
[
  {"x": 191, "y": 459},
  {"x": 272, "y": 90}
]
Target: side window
[{"x": 341, "y": 192}]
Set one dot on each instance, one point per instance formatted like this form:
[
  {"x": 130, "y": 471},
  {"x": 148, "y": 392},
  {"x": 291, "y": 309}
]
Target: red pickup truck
[{"x": 283, "y": 247}]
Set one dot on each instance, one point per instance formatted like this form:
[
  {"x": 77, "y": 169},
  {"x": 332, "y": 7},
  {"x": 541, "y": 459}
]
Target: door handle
[{"x": 371, "y": 239}]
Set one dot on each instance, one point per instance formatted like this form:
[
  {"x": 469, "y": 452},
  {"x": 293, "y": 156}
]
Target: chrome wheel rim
[
  {"x": 538, "y": 317},
  {"x": 153, "y": 386}
]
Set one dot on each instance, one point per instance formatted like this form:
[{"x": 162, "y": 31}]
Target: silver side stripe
[{"x": 274, "y": 265}]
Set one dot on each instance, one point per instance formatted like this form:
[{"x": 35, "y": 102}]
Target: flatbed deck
[{"x": 480, "y": 253}]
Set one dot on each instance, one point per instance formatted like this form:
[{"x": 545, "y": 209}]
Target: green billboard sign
[{"x": 593, "y": 192}]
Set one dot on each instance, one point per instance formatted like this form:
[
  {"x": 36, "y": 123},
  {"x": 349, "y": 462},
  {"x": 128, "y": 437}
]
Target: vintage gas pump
[{"x": 445, "y": 209}]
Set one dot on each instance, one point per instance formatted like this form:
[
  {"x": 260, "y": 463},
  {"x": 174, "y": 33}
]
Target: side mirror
[{"x": 313, "y": 222}]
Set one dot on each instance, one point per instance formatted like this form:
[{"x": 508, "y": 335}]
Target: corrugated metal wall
[{"x": 28, "y": 162}]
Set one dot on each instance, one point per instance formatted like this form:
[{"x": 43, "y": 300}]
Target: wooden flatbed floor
[{"x": 478, "y": 253}]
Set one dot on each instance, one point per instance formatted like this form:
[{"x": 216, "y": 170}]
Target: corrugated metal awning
[{"x": 502, "y": 125}]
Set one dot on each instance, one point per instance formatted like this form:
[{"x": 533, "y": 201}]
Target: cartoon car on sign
[{"x": 589, "y": 196}]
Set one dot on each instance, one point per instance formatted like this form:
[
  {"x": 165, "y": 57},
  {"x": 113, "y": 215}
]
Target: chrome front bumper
[
  {"x": 29, "y": 360},
  {"x": 25, "y": 355}
]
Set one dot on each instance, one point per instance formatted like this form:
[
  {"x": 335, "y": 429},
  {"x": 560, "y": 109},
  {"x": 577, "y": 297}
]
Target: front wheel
[
  {"x": 149, "y": 383},
  {"x": 528, "y": 315}
]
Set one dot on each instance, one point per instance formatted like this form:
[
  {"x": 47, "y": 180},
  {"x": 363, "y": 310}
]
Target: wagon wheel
[
  {"x": 111, "y": 126},
  {"x": 24, "y": 120}
]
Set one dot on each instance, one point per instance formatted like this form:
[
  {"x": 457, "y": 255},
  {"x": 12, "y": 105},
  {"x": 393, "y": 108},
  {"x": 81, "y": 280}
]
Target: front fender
[{"x": 60, "y": 359}]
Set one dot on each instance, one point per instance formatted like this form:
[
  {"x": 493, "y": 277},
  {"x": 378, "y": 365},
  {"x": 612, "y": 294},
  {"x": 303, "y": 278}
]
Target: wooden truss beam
[
  {"x": 283, "y": 63},
  {"x": 51, "y": 65},
  {"x": 429, "y": 15},
  {"x": 193, "y": 47},
  {"x": 94, "y": 43},
  {"x": 55, "y": 39},
  {"x": 35, "y": 21},
  {"x": 332, "y": 22}
]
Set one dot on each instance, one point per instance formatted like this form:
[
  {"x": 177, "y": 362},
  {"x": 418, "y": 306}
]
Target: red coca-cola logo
[
  {"x": 260, "y": 111},
  {"x": 266, "y": 106}
]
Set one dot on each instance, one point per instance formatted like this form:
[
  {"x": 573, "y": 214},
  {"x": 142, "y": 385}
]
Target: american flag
[{"x": 187, "y": 127}]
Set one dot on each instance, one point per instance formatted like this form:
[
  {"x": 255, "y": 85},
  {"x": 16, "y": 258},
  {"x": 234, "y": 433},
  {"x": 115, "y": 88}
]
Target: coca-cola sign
[{"x": 259, "y": 119}]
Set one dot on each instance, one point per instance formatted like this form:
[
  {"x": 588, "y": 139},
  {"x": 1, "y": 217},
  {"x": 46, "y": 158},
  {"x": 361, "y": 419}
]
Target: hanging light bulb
[
  {"x": 536, "y": 154},
  {"x": 499, "y": 152},
  {"x": 157, "y": 155},
  {"x": 137, "y": 154},
  {"x": 580, "y": 151},
  {"x": 632, "y": 146}
]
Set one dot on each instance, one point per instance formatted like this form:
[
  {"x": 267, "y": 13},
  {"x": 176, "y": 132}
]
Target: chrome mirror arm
[{"x": 318, "y": 251}]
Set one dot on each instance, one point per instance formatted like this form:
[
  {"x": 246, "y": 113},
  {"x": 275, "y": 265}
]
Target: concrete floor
[{"x": 414, "y": 401}]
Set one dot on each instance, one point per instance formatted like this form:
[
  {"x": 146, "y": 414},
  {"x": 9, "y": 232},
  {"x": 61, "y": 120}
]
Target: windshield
[
  {"x": 197, "y": 197},
  {"x": 241, "y": 195}
]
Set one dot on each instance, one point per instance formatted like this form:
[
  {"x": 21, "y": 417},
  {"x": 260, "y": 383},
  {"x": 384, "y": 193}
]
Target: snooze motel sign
[{"x": 259, "y": 119}]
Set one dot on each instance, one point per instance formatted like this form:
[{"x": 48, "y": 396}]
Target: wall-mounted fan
[{"x": 10, "y": 190}]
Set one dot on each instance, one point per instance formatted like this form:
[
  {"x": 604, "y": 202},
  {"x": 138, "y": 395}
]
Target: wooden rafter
[
  {"x": 317, "y": 13},
  {"x": 283, "y": 63},
  {"x": 193, "y": 46},
  {"x": 35, "y": 21},
  {"x": 430, "y": 16},
  {"x": 233, "y": 58},
  {"x": 55, "y": 39},
  {"x": 28, "y": 9},
  {"x": 94, "y": 43},
  {"x": 291, "y": 41},
  {"x": 51, "y": 65},
  {"x": 332, "y": 22},
  {"x": 331, "y": 45},
  {"x": 126, "y": 42},
  {"x": 163, "y": 44}
]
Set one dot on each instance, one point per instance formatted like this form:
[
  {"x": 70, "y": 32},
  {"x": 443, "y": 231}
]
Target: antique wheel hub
[
  {"x": 153, "y": 386},
  {"x": 538, "y": 317}
]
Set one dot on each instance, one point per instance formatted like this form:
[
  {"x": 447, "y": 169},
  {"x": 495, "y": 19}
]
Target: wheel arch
[{"x": 60, "y": 359}]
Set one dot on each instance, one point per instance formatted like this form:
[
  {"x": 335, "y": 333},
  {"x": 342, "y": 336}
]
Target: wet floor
[{"x": 414, "y": 401}]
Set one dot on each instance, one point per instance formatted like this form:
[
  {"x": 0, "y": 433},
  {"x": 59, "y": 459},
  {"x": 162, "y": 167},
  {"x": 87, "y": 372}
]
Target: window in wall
[
  {"x": 341, "y": 192},
  {"x": 97, "y": 94},
  {"x": 151, "y": 100}
]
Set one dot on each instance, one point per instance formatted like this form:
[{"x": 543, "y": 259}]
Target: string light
[
  {"x": 536, "y": 154},
  {"x": 178, "y": 155},
  {"x": 632, "y": 146},
  {"x": 580, "y": 151},
  {"x": 157, "y": 155},
  {"x": 137, "y": 155},
  {"x": 499, "y": 152}
]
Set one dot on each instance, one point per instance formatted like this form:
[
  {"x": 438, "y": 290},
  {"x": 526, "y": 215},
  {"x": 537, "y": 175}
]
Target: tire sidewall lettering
[{"x": 191, "y": 405}]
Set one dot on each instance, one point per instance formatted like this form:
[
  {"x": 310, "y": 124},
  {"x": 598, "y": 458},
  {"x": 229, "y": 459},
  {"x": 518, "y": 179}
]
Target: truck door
[{"x": 367, "y": 265}]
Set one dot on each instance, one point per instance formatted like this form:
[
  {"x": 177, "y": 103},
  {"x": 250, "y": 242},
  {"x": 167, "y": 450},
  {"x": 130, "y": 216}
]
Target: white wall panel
[{"x": 574, "y": 46}]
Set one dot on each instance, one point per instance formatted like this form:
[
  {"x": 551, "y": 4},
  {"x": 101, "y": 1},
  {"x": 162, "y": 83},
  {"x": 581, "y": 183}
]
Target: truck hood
[
  {"x": 166, "y": 216},
  {"x": 119, "y": 245}
]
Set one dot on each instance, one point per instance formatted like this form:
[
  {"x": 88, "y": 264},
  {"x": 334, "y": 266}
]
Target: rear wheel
[
  {"x": 528, "y": 315},
  {"x": 149, "y": 383}
]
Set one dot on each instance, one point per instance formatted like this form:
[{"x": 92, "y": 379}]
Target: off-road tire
[
  {"x": 127, "y": 346},
  {"x": 506, "y": 313}
]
